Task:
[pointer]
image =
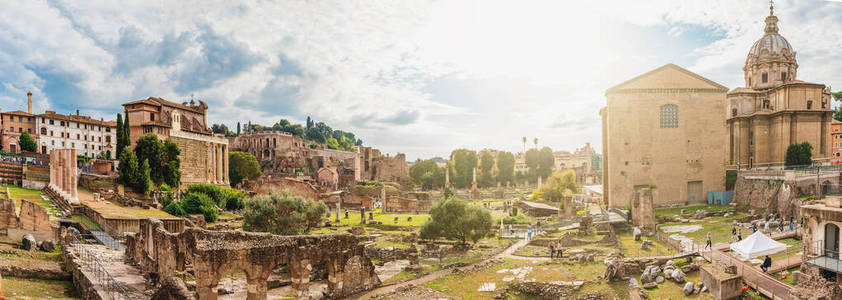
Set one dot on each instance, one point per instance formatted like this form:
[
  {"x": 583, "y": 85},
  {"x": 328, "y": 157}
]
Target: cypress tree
[
  {"x": 127, "y": 134},
  {"x": 238, "y": 128},
  {"x": 120, "y": 138}
]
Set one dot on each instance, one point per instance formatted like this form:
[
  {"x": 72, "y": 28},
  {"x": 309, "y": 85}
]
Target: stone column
[
  {"x": 59, "y": 171},
  {"x": 74, "y": 198},
  {"x": 69, "y": 167},
  {"x": 300, "y": 276},
  {"x": 225, "y": 162},
  {"x": 52, "y": 169},
  {"x": 257, "y": 282},
  {"x": 362, "y": 215},
  {"x": 219, "y": 163},
  {"x": 338, "y": 209}
]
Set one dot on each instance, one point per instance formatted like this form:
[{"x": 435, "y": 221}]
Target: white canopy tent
[{"x": 757, "y": 244}]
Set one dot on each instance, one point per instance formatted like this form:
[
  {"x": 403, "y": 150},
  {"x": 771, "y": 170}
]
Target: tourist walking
[
  {"x": 552, "y": 249},
  {"x": 740, "y": 235},
  {"x": 559, "y": 249},
  {"x": 709, "y": 245},
  {"x": 529, "y": 232},
  {"x": 754, "y": 228},
  {"x": 733, "y": 233},
  {"x": 511, "y": 231},
  {"x": 791, "y": 226},
  {"x": 766, "y": 227}
]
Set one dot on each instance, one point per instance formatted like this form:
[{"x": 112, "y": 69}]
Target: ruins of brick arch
[{"x": 160, "y": 254}]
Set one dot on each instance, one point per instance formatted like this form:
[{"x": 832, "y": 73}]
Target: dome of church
[{"x": 772, "y": 43}]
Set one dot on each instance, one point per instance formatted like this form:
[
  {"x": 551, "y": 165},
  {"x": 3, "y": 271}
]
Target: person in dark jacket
[{"x": 767, "y": 263}]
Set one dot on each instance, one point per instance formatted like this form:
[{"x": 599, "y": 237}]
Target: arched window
[{"x": 669, "y": 116}]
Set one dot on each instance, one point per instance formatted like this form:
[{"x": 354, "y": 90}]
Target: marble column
[
  {"x": 219, "y": 163},
  {"x": 225, "y": 164},
  {"x": 74, "y": 179}
]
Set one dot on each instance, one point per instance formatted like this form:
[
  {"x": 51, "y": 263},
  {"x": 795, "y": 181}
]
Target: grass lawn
[
  {"x": 789, "y": 278},
  {"x": 465, "y": 285},
  {"x": 690, "y": 209},
  {"x": 672, "y": 290},
  {"x": 86, "y": 222},
  {"x": 27, "y": 288},
  {"x": 631, "y": 248},
  {"x": 9, "y": 250},
  {"x": 719, "y": 228},
  {"x": 387, "y": 218}
]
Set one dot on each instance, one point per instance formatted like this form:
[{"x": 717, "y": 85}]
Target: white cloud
[{"x": 412, "y": 76}]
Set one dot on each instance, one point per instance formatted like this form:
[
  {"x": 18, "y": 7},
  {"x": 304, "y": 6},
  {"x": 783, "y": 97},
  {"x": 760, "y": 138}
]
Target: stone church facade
[
  {"x": 204, "y": 155},
  {"x": 664, "y": 130},
  {"x": 774, "y": 109}
]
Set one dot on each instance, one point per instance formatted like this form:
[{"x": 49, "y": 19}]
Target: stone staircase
[
  {"x": 58, "y": 200},
  {"x": 11, "y": 173}
]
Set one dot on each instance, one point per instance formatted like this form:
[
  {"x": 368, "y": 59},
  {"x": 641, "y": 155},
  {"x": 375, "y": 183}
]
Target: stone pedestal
[{"x": 721, "y": 284}]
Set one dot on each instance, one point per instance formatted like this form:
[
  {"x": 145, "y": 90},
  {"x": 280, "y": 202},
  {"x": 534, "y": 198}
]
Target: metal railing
[
  {"x": 818, "y": 255},
  {"x": 762, "y": 282},
  {"x": 112, "y": 288}
]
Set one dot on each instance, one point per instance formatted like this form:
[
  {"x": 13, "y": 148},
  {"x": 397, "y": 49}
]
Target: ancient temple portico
[{"x": 63, "y": 176}]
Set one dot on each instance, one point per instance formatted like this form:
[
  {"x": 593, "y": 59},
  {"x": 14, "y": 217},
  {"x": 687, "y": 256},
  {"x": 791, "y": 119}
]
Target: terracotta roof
[
  {"x": 713, "y": 84},
  {"x": 156, "y": 101},
  {"x": 78, "y": 119},
  {"x": 17, "y": 113}
]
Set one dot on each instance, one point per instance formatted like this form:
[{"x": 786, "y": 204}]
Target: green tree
[
  {"x": 121, "y": 139},
  {"x": 127, "y": 132},
  {"x": 546, "y": 161},
  {"x": 332, "y": 143},
  {"x": 144, "y": 183},
  {"x": 282, "y": 213},
  {"x": 454, "y": 219},
  {"x": 238, "y": 128},
  {"x": 128, "y": 167},
  {"x": 531, "y": 160},
  {"x": 464, "y": 162},
  {"x": 505, "y": 167},
  {"x": 486, "y": 166},
  {"x": 27, "y": 143},
  {"x": 241, "y": 166},
  {"x": 838, "y": 113},
  {"x": 799, "y": 154},
  {"x": 149, "y": 147},
  {"x": 171, "y": 160},
  {"x": 559, "y": 185}
]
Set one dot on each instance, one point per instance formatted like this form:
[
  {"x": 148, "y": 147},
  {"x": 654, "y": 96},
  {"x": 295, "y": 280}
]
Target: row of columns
[
  {"x": 63, "y": 173},
  {"x": 218, "y": 163}
]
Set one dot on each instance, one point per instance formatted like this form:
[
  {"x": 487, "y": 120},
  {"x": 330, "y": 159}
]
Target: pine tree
[
  {"x": 238, "y": 128},
  {"x": 144, "y": 182}
]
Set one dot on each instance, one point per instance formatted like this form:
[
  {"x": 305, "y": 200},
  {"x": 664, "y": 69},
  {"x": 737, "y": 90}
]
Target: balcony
[{"x": 826, "y": 259}]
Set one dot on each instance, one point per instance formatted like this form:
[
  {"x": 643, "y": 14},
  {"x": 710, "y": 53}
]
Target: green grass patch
[
  {"x": 690, "y": 209},
  {"x": 387, "y": 218},
  {"x": 22, "y": 288},
  {"x": 86, "y": 222},
  {"x": 719, "y": 228}
]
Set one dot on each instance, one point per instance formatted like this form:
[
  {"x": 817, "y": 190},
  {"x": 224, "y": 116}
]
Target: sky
[{"x": 412, "y": 76}]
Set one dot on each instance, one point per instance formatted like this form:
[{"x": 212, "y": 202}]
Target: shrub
[
  {"x": 514, "y": 211},
  {"x": 193, "y": 202},
  {"x": 519, "y": 219},
  {"x": 175, "y": 209},
  {"x": 223, "y": 197},
  {"x": 282, "y": 213},
  {"x": 166, "y": 199},
  {"x": 209, "y": 212}
]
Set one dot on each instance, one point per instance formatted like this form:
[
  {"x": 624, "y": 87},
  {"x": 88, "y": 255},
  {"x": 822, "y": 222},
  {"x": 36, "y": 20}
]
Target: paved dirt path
[{"x": 440, "y": 273}]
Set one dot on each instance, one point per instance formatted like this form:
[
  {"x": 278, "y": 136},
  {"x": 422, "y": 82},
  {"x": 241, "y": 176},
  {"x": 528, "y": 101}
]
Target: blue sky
[{"x": 417, "y": 77}]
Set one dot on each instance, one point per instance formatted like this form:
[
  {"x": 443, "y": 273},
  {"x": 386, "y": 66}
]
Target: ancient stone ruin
[
  {"x": 63, "y": 176},
  {"x": 642, "y": 210},
  {"x": 33, "y": 219},
  {"x": 162, "y": 255}
]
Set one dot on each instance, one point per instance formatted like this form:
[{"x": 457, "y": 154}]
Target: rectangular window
[
  {"x": 62, "y": 123},
  {"x": 42, "y": 120},
  {"x": 151, "y": 117},
  {"x": 28, "y": 120},
  {"x": 765, "y": 77},
  {"x": 52, "y": 122},
  {"x": 783, "y": 76},
  {"x": 29, "y": 130}
]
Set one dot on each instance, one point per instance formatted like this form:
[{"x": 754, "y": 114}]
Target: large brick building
[
  {"x": 774, "y": 109},
  {"x": 836, "y": 138},
  {"x": 204, "y": 155},
  {"x": 664, "y": 129},
  {"x": 13, "y": 124}
]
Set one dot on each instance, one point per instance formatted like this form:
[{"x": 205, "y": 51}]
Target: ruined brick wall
[
  {"x": 35, "y": 177},
  {"x": 266, "y": 185},
  {"x": 393, "y": 169},
  {"x": 8, "y": 219},
  {"x": 755, "y": 193},
  {"x": 398, "y": 204}
]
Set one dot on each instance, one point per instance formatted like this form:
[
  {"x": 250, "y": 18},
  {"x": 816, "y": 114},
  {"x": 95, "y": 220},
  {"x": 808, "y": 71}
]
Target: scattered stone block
[
  {"x": 29, "y": 242},
  {"x": 688, "y": 288},
  {"x": 659, "y": 279},
  {"x": 47, "y": 246}
]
